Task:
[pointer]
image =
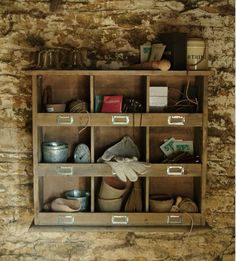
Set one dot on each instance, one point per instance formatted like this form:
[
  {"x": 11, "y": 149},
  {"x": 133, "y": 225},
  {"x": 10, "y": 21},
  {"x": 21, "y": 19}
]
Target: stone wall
[{"x": 112, "y": 31}]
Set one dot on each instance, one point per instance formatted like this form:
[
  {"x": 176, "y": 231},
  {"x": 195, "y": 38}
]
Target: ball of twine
[
  {"x": 187, "y": 205},
  {"x": 78, "y": 106}
]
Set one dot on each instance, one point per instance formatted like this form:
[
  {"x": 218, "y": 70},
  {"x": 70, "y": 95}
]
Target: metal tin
[
  {"x": 55, "y": 152},
  {"x": 60, "y": 107},
  {"x": 197, "y": 54},
  {"x": 82, "y": 196}
]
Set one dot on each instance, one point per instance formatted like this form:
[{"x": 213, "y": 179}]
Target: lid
[
  {"x": 54, "y": 145},
  {"x": 196, "y": 42}
]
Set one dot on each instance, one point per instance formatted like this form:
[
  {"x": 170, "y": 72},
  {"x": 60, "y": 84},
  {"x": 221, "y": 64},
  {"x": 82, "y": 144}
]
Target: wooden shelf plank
[
  {"x": 160, "y": 229},
  {"x": 122, "y": 218},
  {"x": 118, "y": 72},
  {"x": 100, "y": 169},
  {"x": 107, "y": 119}
]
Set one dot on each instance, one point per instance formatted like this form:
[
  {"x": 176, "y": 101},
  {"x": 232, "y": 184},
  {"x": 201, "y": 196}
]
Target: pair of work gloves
[
  {"x": 127, "y": 168},
  {"x": 123, "y": 160}
]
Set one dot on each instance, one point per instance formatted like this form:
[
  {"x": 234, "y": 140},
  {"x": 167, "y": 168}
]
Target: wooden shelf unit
[{"x": 147, "y": 129}]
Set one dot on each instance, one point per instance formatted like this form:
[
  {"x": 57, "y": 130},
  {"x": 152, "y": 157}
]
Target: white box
[
  {"x": 156, "y": 109},
  {"x": 158, "y": 101},
  {"x": 158, "y": 91}
]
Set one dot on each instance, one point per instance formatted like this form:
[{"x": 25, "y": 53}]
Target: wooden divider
[
  {"x": 92, "y": 192},
  {"x": 204, "y": 145},
  {"x": 147, "y": 145}
]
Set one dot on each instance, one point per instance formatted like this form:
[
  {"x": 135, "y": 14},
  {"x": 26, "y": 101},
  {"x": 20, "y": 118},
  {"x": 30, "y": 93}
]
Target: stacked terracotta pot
[{"x": 111, "y": 194}]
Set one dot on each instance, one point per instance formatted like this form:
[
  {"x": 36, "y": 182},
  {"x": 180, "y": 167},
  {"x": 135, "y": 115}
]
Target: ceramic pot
[
  {"x": 112, "y": 188},
  {"x": 197, "y": 54},
  {"x": 65, "y": 205},
  {"x": 160, "y": 204},
  {"x": 109, "y": 205}
]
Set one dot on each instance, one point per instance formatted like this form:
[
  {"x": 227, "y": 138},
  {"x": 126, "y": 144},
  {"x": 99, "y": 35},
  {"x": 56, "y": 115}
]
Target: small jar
[
  {"x": 197, "y": 54},
  {"x": 55, "y": 152}
]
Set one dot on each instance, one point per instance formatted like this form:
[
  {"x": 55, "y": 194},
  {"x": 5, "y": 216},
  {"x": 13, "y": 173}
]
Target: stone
[
  {"x": 15, "y": 140},
  {"x": 112, "y": 32},
  {"x": 175, "y": 6}
]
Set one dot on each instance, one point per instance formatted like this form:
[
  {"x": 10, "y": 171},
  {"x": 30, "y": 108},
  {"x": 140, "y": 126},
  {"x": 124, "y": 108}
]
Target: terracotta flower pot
[
  {"x": 112, "y": 188},
  {"x": 109, "y": 205},
  {"x": 160, "y": 203}
]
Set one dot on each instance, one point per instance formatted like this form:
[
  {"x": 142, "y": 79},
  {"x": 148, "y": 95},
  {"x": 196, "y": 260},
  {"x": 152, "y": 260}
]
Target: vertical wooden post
[
  {"x": 147, "y": 145},
  {"x": 92, "y": 143},
  {"x": 204, "y": 146},
  {"x": 35, "y": 146}
]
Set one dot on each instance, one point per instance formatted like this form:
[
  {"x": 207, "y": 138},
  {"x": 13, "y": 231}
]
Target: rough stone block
[{"x": 15, "y": 140}]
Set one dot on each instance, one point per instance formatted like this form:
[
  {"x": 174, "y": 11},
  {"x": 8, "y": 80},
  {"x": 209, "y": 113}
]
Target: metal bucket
[
  {"x": 55, "y": 152},
  {"x": 82, "y": 196}
]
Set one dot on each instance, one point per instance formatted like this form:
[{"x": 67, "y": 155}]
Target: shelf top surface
[{"x": 118, "y": 72}]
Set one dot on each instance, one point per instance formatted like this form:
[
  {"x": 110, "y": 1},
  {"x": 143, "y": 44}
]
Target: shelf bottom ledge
[{"x": 75, "y": 228}]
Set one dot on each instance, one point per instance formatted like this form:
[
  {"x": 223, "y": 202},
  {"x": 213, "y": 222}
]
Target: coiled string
[
  {"x": 87, "y": 122},
  {"x": 79, "y": 106}
]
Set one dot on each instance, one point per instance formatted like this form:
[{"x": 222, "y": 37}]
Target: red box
[{"x": 112, "y": 104}]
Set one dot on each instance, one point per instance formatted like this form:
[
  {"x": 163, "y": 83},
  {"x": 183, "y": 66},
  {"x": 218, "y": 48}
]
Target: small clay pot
[
  {"x": 112, "y": 188},
  {"x": 115, "y": 182},
  {"x": 65, "y": 205},
  {"x": 109, "y": 205},
  {"x": 160, "y": 203}
]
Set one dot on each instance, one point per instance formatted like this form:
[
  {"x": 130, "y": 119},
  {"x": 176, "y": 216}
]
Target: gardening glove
[
  {"x": 125, "y": 148},
  {"x": 117, "y": 169},
  {"x": 127, "y": 168}
]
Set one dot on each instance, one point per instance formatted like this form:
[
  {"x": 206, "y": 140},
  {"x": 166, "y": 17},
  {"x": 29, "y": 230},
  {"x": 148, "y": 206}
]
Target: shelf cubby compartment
[
  {"x": 132, "y": 87},
  {"x": 52, "y": 187},
  {"x": 158, "y": 135},
  {"x": 64, "y": 89},
  {"x": 137, "y": 197},
  {"x": 105, "y": 137},
  {"x": 177, "y": 86},
  {"x": 172, "y": 187},
  {"x": 71, "y": 136}
]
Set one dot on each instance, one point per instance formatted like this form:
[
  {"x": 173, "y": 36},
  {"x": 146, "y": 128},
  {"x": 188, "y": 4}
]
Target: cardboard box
[
  {"x": 158, "y": 101},
  {"x": 158, "y": 91},
  {"x": 156, "y": 109}
]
